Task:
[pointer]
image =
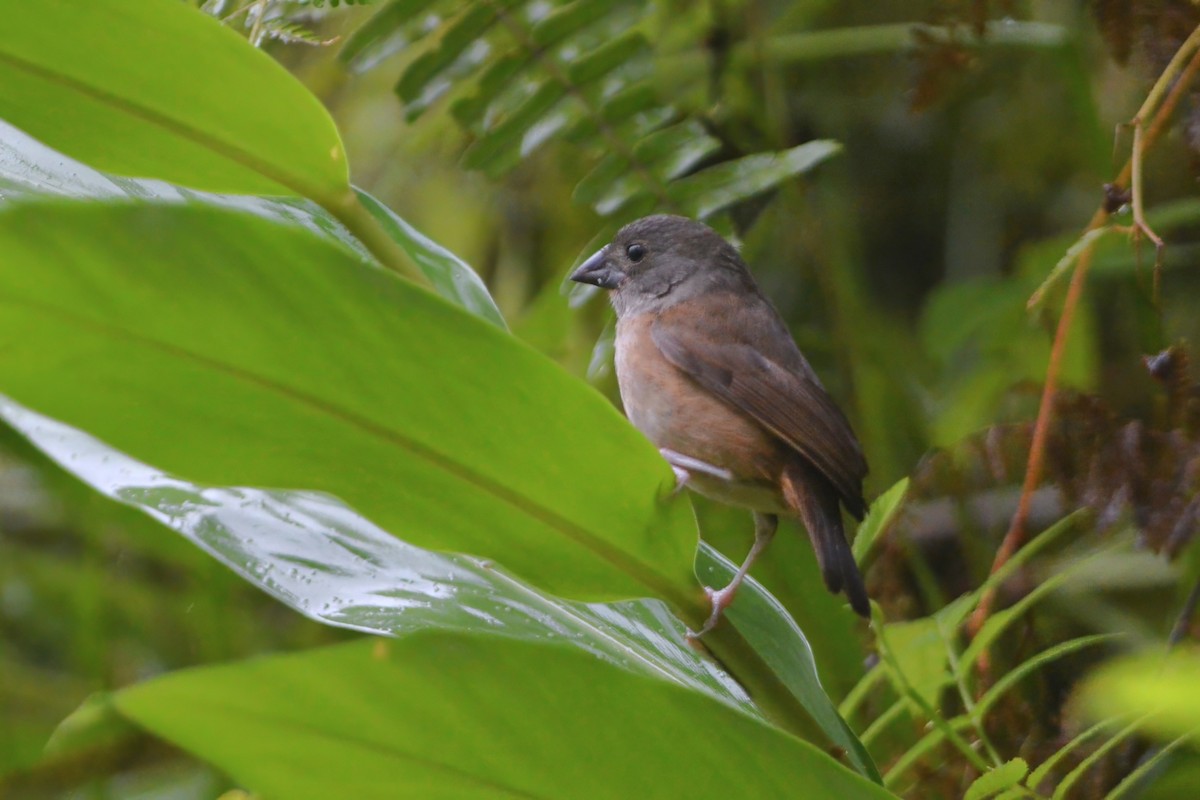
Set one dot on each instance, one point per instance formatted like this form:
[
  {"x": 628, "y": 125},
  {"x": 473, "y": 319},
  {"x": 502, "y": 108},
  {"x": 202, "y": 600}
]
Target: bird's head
[{"x": 657, "y": 261}]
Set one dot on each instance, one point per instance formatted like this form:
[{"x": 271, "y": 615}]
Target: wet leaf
[{"x": 232, "y": 351}]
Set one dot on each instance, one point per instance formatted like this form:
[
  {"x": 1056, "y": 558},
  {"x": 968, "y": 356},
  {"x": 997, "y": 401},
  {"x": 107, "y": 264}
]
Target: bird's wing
[{"x": 786, "y": 400}]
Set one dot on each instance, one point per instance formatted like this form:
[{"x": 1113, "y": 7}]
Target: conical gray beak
[{"x": 598, "y": 271}]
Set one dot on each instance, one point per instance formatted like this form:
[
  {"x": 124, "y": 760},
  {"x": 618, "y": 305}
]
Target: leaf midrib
[{"x": 227, "y": 150}]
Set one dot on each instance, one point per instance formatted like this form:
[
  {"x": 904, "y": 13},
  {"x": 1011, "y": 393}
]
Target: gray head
[{"x": 655, "y": 262}]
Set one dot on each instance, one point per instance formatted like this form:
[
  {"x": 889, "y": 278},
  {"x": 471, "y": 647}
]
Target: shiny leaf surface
[
  {"x": 29, "y": 169},
  {"x": 322, "y": 559}
]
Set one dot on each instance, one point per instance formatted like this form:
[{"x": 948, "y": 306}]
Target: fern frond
[
  {"x": 1064, "y": 786},
  {"x": 276, "y": 20},
  {"x": 517, "y": 74},
  {"x": 281, "y": 30},
  {"x": 1028, "y": 667}
]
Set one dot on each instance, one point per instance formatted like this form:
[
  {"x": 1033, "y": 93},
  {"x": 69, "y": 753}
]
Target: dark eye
[{"x": 636, "y": 252}]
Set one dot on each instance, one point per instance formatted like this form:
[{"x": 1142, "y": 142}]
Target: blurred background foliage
[{"x": 975, "y": 139}]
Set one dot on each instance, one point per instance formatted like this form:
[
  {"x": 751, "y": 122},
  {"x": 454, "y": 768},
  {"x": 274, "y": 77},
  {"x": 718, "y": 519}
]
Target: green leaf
[
  {"x": 458, "y": 35},
  {"x": 469, "y": 110},
  {"x": 606, "y": 58},
  {"x": 1164, "y": 688},
  {"x": 567, "y": 20},
  {"x": 1149, "y": 771},
  {"x": 1044, "y": 770},
  {"x": 597, "y": 182},
  {"x": 451, "y": 715},
  {"x": 770, "y": 630},
  {"x": 1063, "y": 790},
  {"x": 192, "y": 103},
  {"x": 980, "y": 316},
  {"x": 506, "y": 138},
  {"x": 918, "y": 653},
  {"x": 672, "y": 151},
  {"x": 30, "y": 169},
  {"x": 981, "y": 333},
  {"x": 381, "y": 35},
  {"x": 630, "y": 112},
  {"x": 323, "y": 560},
  {"x": 93, "y": 736},
  {"x": 705, "y": 193},
  {"x": 231, "y": 351},
  {"x": 1001, "y": 620},
  {"x": 450, "y": 276},
  {"x": 1003, "y": 777},
  {"x": 879, "y": 516}
]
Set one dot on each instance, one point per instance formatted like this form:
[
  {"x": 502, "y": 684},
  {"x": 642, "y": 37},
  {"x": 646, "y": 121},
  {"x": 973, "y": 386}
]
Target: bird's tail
[{"x": 816, "y": 501}]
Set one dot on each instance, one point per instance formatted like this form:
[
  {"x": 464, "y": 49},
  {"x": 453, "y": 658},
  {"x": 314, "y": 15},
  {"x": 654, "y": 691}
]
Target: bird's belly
[{"x": 676, "y": 413}]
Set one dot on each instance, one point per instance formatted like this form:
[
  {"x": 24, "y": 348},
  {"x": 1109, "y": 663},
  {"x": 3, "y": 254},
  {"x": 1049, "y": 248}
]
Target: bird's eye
[{"x": 636, "y": 252}]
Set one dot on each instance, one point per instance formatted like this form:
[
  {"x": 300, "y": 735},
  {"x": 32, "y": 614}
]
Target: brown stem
[{"x": 1181, "y": 76}]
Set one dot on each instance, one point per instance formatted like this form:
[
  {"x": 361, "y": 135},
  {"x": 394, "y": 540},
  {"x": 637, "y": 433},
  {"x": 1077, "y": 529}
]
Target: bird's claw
[
  {"x": 720, "y": 599},
  {"x": 681, "y": 478}
]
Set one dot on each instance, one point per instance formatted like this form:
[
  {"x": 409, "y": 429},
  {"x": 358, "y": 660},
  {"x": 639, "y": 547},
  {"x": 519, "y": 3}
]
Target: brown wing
[{"x": 777, "y": 388}]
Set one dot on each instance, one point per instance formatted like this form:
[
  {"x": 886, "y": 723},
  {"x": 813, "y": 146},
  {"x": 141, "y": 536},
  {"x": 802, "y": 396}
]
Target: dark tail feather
[{"x": 816, "y": 501}]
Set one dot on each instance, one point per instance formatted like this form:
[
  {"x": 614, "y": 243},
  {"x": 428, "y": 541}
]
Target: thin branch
[{"x": 1140, "y": 226}]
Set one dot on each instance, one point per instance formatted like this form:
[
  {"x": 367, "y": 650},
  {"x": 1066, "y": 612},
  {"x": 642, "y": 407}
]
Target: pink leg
[{"x": 764, "y": 531}]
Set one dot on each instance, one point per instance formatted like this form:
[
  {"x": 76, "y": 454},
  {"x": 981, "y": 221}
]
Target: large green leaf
[
  {"x": 325, "y": 561},
  {"x": 155, "y": 88},
  {"x": 232, "y": 351},
  {"x": 453, "y": 715},
  {"x": 29, "y": 169}
]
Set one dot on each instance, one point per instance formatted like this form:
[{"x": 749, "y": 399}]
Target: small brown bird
[{"x": 709, "y": 372}]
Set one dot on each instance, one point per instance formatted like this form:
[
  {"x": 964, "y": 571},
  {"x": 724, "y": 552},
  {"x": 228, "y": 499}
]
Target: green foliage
[
  {"x": 519, "y": 74},
  {"x": 256, "y": 330},
  {"x": 1162, "y": 691},
  {"x": 434, "y": 713},
  {"x": 94, "y": 101},
  {"x": 1003, "y": 777},
  {"x": 197, "y": 330},
  {"x": 207, "y": 314},
  {"x": 879, "y": 516}
]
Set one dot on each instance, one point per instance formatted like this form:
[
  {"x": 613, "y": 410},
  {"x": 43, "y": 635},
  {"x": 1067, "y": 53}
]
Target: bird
[{"x": 708, "y": 371}]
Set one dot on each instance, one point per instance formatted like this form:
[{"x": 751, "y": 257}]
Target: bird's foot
[
  {"x": 682, "y": 476},
  {"x": 720, "y": 599}
]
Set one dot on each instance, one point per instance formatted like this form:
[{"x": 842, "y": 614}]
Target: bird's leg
[
  {"x": 684, "y": 466},
  {"x": 764, "y": 532}
]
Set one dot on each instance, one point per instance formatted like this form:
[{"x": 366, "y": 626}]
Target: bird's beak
[{"x": 598, "y": 271}]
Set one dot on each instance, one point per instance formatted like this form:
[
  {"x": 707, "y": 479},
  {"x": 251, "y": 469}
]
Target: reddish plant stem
[{"x": 1017, "y": 534}]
